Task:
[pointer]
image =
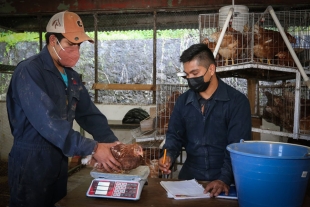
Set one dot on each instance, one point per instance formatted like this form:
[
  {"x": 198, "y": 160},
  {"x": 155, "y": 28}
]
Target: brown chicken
[
  {"x": 285, "y": 58},
  {"x": 267, "y": 43},
  {"x": 128, "y": 155},
  {"x": 305, "y": 124},
  {"x": 211, "y": 46},
  {"x": 232, "y": 44},
  {"x": 279, "y": 110},
  {"x": 150, "y": 159}
]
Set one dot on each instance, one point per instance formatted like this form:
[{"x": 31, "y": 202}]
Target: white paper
[{"x": 187, "y": 189}]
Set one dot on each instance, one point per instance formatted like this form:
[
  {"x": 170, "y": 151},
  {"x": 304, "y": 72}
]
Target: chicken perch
[{"x": 128, "y": 155}]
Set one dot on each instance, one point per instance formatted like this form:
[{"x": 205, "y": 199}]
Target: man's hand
[
  {"x": 216, "y": 187},
  {"x": 105, "y": 158},
  {"x": 164, "y": 167}
]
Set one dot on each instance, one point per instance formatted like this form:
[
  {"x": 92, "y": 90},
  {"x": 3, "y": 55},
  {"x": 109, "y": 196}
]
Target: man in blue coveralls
[
  {"x": 45, "y": 96},
  {"x": 205, "y": 119}
]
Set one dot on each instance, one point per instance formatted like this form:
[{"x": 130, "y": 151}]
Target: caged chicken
[
  {"x": 150, "y": 159},
  {"x": 128, "y": 155},
  {"x": 232, "y": 44},
  {"x": 279, "y": 110},
  {"x": 211, "y": 46},
  {"x": 268, "y": 43},
  {"x": 285, "y": 58}
]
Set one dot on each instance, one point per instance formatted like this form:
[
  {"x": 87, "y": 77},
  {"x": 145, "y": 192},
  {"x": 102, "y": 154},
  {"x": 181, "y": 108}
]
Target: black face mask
[{"x": 198, "y": 84}]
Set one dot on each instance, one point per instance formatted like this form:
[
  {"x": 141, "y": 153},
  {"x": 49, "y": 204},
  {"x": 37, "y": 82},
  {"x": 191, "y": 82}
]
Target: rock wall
[{"x": 119, "y": 61}]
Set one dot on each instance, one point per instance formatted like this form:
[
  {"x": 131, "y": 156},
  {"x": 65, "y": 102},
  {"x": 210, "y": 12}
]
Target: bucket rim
[{"x": 306, "y": 156}]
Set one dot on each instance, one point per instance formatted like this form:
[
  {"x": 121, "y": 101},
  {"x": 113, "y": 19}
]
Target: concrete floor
[{"x": 4, "y": 187}]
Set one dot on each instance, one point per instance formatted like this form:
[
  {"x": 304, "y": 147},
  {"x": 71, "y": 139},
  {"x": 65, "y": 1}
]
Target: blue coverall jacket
[
  {"x": 41, "y": 111},
  {"x": 226, "y": 120}
]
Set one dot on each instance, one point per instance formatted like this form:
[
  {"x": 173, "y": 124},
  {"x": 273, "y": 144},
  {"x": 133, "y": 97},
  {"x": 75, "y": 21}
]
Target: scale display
[
  {"x": 115, "y": 189},
  {"x": 118, "y": 186}
]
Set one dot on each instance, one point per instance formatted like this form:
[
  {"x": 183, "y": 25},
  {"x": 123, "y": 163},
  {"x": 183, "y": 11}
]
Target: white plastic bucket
[{"x": 240, "y": 16}]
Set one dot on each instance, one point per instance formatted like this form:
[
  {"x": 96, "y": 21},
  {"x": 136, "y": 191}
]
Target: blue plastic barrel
[{"x": 270, "y": 174}]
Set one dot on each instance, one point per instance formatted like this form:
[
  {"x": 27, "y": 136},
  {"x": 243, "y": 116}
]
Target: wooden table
[{"x": 153, "y": 195}]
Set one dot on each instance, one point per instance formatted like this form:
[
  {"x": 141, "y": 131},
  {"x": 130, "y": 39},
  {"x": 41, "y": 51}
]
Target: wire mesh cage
[
  {"x": 255, "y": 38},
  {"x": 277, "y": 103},
  {"x": 151, "y": 149},
  {"x": 151, "y": 141},
  {"x": 235, "y": 46},
  {"x": 167, "y": 95},
  {"x": 266, "y": 35},
  {"x": 253, "y": 48},
  {"x": 151, "y": 155}
]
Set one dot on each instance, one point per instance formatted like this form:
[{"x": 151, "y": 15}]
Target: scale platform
[{"x": 118, "y": 186}]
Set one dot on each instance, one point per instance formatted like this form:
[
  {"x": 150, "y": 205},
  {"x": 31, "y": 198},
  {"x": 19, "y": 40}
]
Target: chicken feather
[{"x": 129, "y": 156}]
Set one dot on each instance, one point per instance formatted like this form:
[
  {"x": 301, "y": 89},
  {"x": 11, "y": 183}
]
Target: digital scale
[{"x": 118, "y": 186}]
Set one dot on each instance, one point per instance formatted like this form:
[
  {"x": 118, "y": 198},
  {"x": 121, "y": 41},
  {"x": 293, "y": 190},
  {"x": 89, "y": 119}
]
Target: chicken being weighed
[
  {"x": 128, "y": 183},
  {"x": 128, "y": 155}
]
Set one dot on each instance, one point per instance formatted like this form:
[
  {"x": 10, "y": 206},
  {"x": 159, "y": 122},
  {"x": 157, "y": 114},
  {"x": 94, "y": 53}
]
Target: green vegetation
[{"x": 12, "y": 38}]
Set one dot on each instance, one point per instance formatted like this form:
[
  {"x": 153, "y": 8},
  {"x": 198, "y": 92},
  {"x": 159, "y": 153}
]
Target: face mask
[
  {"x": 69, "y": 56},
  {"x": 198, "y": 84}
]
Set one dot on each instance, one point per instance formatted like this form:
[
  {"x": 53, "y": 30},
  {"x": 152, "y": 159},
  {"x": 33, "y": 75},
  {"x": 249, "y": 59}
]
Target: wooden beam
[
  {"x": 134, "y": 87},
  {"x": 7, "y": 68},
  {"x": 10, "y": 7}
]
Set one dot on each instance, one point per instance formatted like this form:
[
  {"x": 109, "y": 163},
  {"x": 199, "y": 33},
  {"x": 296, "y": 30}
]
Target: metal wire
[{"x": 295, "y": 23}]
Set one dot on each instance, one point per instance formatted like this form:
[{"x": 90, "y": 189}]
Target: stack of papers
[
  {"x": 187, "y": 189},
  {"x": 190, "y": 189}
]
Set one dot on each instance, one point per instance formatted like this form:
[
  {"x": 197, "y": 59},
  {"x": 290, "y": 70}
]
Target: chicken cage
[
  {"x": 277, "y": 106},
  {"x": 272, "y": 48},
  {"x": 253, "y": 42},
  {"x": 166, "y": 97},
  {"x": 152, "y": 140}
]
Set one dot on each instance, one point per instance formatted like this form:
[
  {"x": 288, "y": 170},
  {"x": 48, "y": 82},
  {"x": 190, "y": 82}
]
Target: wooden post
[
  {"x": 252, "y": 94},
  {"x": 256, "y": 120},
  {"x": 154, "y": 54},
  {"x": 96, "y": 54}
]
